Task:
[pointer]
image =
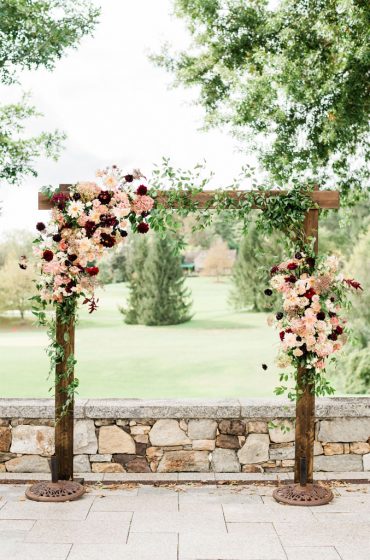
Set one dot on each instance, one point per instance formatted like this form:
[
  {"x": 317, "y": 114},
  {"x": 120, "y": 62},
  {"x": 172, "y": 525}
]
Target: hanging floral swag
[
  {"x": 311, "y": 329},
  {"x": 86, "y": 221}
]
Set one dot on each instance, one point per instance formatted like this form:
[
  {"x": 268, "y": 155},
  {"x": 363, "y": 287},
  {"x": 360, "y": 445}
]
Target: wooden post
[
  {"x": 64, "y": 417},
  {"x": 305, "y": 406}
]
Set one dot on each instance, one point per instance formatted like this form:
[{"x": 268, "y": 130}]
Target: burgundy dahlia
[
  {"x": 282, "y": 335},
  {"x": 60, "y": 199},
  {"x": 320, "y": 316},
  {"x": 311, "y": 262},
  {"x": 108, "y": 220},
  {"x": 57, "y": 237},
  {"x": 129, "y": 178},
  {"x": 40, "y": 226},
  {"x": 92, "y": 270},
  {"x": 142, "y": 190},
  {"x": 107, "y": 240},
  {"x": 105, "y": 197},
  {"x": 292, "y": 266},
  {"x": 291, "y": 279},
  {"x": 339, "y": 330},
  {"x": 90, "y": 227},
  {"x": 48, "y": 255},
  {"x": 274, "y": 269},
  {"x": 143, "y": 227}
]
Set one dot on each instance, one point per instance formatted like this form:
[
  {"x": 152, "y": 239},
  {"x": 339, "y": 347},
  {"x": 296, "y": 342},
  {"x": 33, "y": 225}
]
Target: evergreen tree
[
  {"x": 167, "y": 300},
  {"x": 158, "y": 295},
  {"x": 256, "y": 255},
  {"x": 137, "y": 257}
]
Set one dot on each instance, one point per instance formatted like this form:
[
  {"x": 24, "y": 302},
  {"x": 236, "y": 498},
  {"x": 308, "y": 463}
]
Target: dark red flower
[
  {"x": 310, "y": 293},
  {"x": 332, "y": 336},
  {"x": 107, "y": 240},
  {"x": 142, "y": 189},
  {"x": 105, "y": 197},
  {"x": 108, "y": 220},
  {"x": 60, "y": 199},
  {"x": 353, "y": 283},
  {"x": 339, "y": 330},
  {"x": 40, "y": 226},
  {"x": 274, "y": 269},
  {"x": 291, "y": 279},
  {"x": 90, "y": 227},
  {"x": 292, "y": 266},
  {"x": 129, "y": 178},
  {"x": 282, "y": 335},
  {"x": 57, "y": 237},
  {"x": 123, "y": 233},
  {"x": 311, "y": 262},
  {"x": 92, "y": 270},
  {"x": 143, "y": 227},
  {"x": 48, "y": 255},
  {"x": 320, "y": 316},
  {"x": 72, "y": 258}
]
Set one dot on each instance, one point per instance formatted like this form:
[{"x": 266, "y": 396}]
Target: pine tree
[
  {"x": 137, "y": 257},
  {"x": 250, "y": 273},
  {"x": 167, "y": 300},
  {"x": 158, "y": 295}
]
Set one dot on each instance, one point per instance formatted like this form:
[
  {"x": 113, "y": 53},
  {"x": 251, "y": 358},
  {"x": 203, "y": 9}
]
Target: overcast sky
[{"x": 116, "y": 107}]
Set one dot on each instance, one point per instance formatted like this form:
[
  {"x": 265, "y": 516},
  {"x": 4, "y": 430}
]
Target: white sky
[{"x": 116, "y": 107}]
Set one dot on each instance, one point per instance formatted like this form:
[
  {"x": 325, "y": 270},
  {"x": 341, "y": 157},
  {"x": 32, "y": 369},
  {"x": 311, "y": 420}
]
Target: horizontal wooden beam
[{"x": 324, "y": 199}]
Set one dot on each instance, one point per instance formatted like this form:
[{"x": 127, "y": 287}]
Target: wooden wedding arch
[{"x": 303, "y": 492}]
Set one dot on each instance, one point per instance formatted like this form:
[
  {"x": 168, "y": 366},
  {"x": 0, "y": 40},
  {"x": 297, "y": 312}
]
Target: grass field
[{"x": 217, "y": 354}]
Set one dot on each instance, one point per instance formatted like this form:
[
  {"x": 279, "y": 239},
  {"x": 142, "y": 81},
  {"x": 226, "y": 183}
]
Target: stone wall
[{"x": 246, "y": 435}]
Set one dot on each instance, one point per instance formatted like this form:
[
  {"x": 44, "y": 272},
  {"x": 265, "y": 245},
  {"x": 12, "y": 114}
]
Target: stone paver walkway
[{"x": 184, "y": 522}]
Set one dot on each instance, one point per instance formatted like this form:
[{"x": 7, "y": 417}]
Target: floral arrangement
[
  {"x": 85, "y": 222},
  {"x": 310, "y": 325}
]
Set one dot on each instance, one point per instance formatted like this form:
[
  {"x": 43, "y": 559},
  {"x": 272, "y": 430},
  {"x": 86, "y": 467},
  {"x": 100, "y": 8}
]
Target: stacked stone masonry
[{"x": 137, "y": 436}]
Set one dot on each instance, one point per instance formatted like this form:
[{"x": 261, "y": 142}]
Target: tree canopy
[
  {"x": 34, "y": 34},
  {"x": 293, "y": 79}
]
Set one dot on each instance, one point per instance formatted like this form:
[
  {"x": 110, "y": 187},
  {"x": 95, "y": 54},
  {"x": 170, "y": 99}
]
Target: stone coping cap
[{"x": 264, "y": 408}]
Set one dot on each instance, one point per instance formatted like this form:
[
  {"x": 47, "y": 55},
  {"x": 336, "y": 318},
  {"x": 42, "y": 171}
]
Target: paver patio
[{"x": 184, "y": 522}]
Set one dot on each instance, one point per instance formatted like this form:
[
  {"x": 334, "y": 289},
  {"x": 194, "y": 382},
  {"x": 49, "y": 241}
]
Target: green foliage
[
  {"x": 356, "y": 369},
  {"x": 137, "y": 257},
  {"x": 38, "y": 33},
  {"x": 34, "y": 34},
  {"x": 113, "y": 267},
  {"x": 256, "y": 255},
  {"x": 290, "y": 79},
  {"x": 16, "y": 286},
  {"x": 359, "y": 267},
  {"x": 284, "y": 213},
  {"x": 18, "y": 153},
  {"x": 158, "y": 295}
]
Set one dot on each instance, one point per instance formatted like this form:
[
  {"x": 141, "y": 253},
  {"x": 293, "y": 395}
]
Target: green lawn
[{"x": 217, "y": 354}]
